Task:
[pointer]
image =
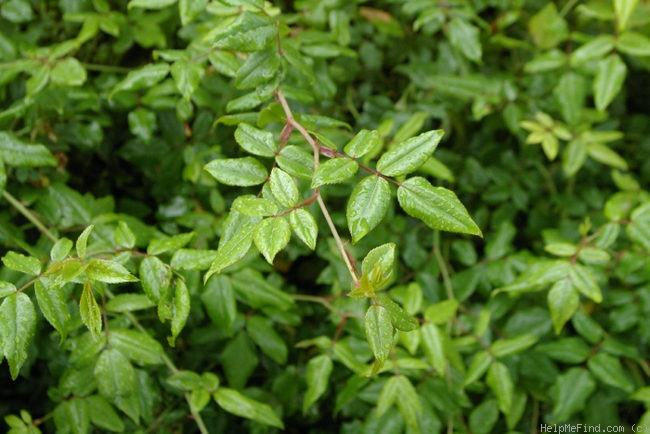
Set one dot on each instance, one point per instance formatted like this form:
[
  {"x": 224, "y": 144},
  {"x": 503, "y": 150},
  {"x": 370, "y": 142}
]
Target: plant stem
[
  {"x": 304, "y": 133},
  {"x": 29, "y": 215}
]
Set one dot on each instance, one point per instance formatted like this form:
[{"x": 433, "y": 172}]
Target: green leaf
[
  {"x": 399, "y": 318},
  {"x": 609, "y": 80},
  {"x": 409, "y": 155},
  {"x": 53, "y": 305},
  {"x": 37, "y": 81},
  {"x": 563, "y": 301},
  {"x": 89, "y": 311},
  {"x": 572, "y": 350},
  {"x": 6, "y": 288},
  {"x": 103, "y": 415},
  {"x": 15, "y": 152},
  {"x": 142, "y": 123},
  {"x": 317, "y": 376},
  {"x": 499, "y": 380},
  {"x": 594, "y": 49},
  {"x": 103, "y": 270},
  {"x": 143, "y": 78},
  {"x": 296, "y": 162},
  {"x": 362, "y": 143},
  {"x": 114, "y": 374},
  {"x": 69, "y": 72},
  {"x": 187, "y": 75},
  {"x": 408, "y": 402},
  {"x": 547, "y": 27},
  {"x": 633, "y": 43},
  {"x": 257, "y": 292},
  {"x": 367, "y": 206},
  {"x": 441, "y": 312},
  {"x": 150, "y": 4},
  {"x": 255, "y": 141},
  {"x": 72, "y": 416},
  {"x": 181, "y": 310},
  {"x": 284, "y": 188},
  {"x": 259, "y": 68},
  {"x": 465, "y": 37},
  {"x": 303, "y": 224},
  {"x": 82, "y": 241},
  {"x": 189, "y": 9},
  {"x": 379, "y": 264},
  {"x": 571, "y": 392},
  {"x": 388, "y": 395},
  {"x": 248, "y": 32},
  {"x": 484, "y": 417},
  {"x": 379, "y": 332},
  {"x": 232, "y": 250},
  {"x": 255, "y": 206},
  {"x": 437, "y": 207},
  {"x": 17, "y": 326},
  {"x": 334, "y": 171},
  {"x": 123, "y": 236},
  {"x": 623, "y": 10},
  {"x": 538, "y": 277},
  {"x": 158, "y": 246},
  {"x": 584, "y": 281},
  {"x": 219, "y": 301},
  {"x": 570, "y": 94},
  {"x": 240, "y": 405},
  {"x": 508, "y": 347},
  {"x": 129, "y": 303},
  {"x": 478, "y": 367},
  {"x": 242, "y": 172},
  {"x": 191, "y": 259},
  {"x": 137, "y": 346},
  {"x": 608, "y": 370},
  {"x": 24, "y": 264},
  {"x": 433, "y": 342},
  {"x": 272, "y": 235},
  {"x": 185, "y": 380},
  {"x": 155, "y": 277},
  {"x": 262, "y": 333},
  {"x": 604, "y": 154},
  {"x": 573, "y": 157}
]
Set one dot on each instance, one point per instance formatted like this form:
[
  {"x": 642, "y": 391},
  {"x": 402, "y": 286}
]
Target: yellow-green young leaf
[
  {"x": 499, "y": 380},
  {"x": 303, "y": 224},
  {"x": 409, "y": 155},
  {"x": 378, "y": 266},
  {"x": 362, "y": 143},
  {"x": 15, "y": 152},
  {"x": 441, "y": 312},
  {"x": 563, "y": 301},
  {"x": 114, "y": 374},
  {"x": 181, "y": 310},
  {"x": 609, "y": 80},
  {"x": 232, "y": 250},
  {"x": 379, "y": 332},
  {"x": 433, "y": 342},
  {"x": 561, "y": 249},
  {"x": 634, "y": 44},
  {"x": 583, "y": 280},
  {"x": 262, "y": 333},
  {"x": 53, "y": 305},
  {"x": 594, "y": 49},
  {"x": 593, "y": 255},
  {"x": 137, "y": 346},
  {"x": 547, "y": 27},
  {"x": 334, "y": 171},
  {"x": 187, "y": 75},
  {"x": 103, "y": 415},
  {"x": 477, "y": 368},
  {"x": 272, "y": 235},
  {"x": 573, "y": 157},
  {"x": 255, "y": 141},
  {"x": 162, "y": 245},
  {"x": 199, "y": 399},
  {"x": 106, "y": 271},
  {"x": 143, "y": 78},
  {"x": 317, "y": 376},
  {"x": 367, "y": 206},
  {"x": 17, "y": 325},
  {"x": 400, "y": 319},
  {"x": 242, "y": 172},
  {"x": 24, "y": 264},
  {"x": 437, "y": 207},
  {"x": 72, "y": 416},
  {"x": 508, "y": 347},
  {"x": 466, "y": 38},
  {"x": 608, "y": 370},
  {"x": 259, "y": 67},
  {"x": 256, "y": 206},
  {"x": 150, "y": 4},
  {"x": 89, "y": 311},
  {"x": 248, "y": 32},
  {"x": 388, "y": 395},
  {"x": 623, "y": 10},
  {"x": 604, "y": 154},
  {"x": 240, "y": 405},
  {"x": 284, "y": 188},
  {"x": 607, "y": 235},
  {"x": 571, "y": 392},
  {"x": 82, "y": 241},
  {"x": 123, "y": 236}
]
